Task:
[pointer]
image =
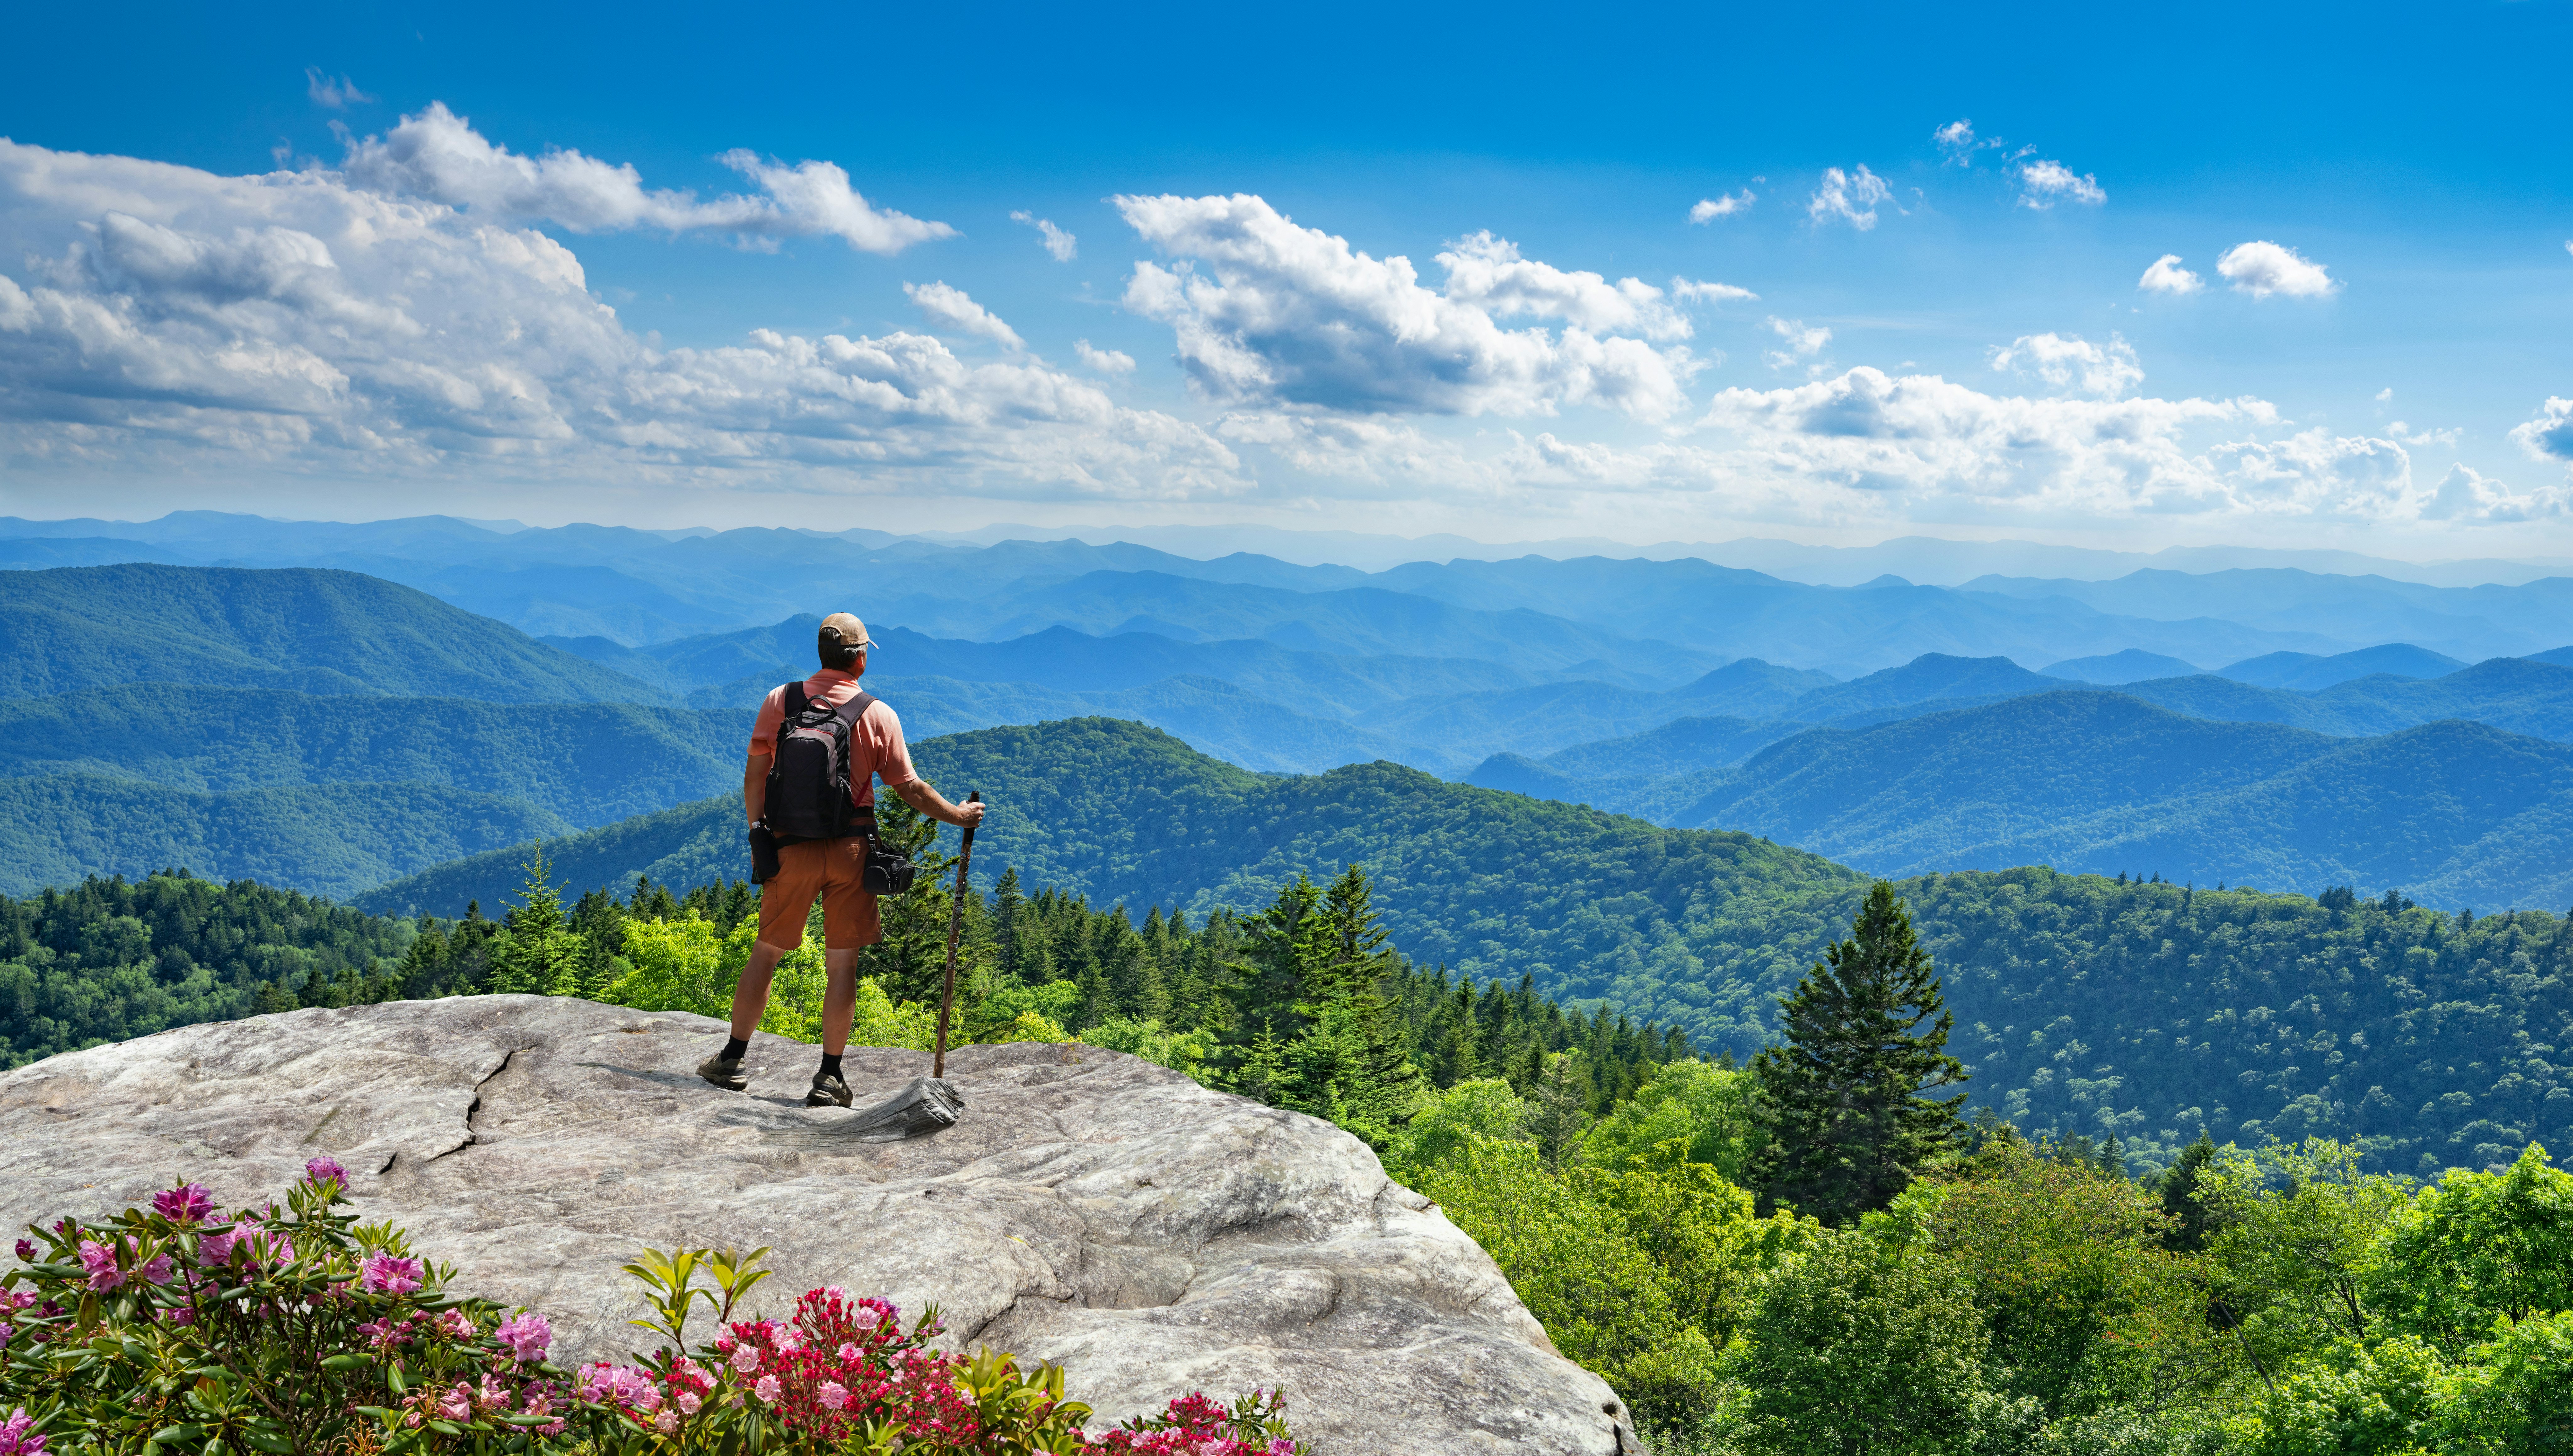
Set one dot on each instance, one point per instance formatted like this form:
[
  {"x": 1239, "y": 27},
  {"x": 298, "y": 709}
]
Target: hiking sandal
[{"x": 724, "y": 1071}]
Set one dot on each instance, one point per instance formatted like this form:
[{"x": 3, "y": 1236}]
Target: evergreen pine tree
[
  {"x": 1849, "y": 1125},
  {"x": 2188, "y": 1227},
  {"x": 537, "y": 950}
]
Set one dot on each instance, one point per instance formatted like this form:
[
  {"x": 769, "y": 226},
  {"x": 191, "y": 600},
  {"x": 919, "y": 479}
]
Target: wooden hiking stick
[{"x": 955, "y": 929}]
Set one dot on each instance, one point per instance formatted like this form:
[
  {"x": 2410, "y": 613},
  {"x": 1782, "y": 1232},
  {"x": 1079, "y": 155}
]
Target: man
[{"x": 833, "y": 869}]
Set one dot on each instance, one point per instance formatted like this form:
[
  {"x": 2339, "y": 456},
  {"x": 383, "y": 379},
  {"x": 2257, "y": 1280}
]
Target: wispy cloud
[
  {"x": 1103, "y": 361},
  {"x": 2044, "y": 184},
  {"x": 338, "y": 95},
  {"x": 1057, "y": 241},
  {"x": 1850, "y": 196},
  {"x": 1798, "y": 343},
  {"x": 959, "y": 313},
  {"x": 1723, "y": 204},
  {"x": 2070, "y": 362},
  {"x": 1690, "y": 292}
]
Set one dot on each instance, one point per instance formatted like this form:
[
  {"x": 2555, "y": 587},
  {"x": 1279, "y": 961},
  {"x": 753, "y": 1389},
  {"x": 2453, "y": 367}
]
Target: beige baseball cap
[{"x": 840, "y": 631}]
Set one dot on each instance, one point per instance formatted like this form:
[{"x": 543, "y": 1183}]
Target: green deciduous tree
[
  {"x": 1857, "y": 1349},
  {"x": 2476, "y": 1248},
  {"x": 1845, "y": 1101}
]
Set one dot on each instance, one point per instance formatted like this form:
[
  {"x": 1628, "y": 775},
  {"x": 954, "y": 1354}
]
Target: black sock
[
  {"x": 830, "y": 1066},
  {"x": 734, "y": 1048}
]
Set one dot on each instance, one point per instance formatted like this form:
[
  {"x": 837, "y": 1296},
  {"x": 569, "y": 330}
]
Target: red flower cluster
[{"x": 840, "y": 1366}]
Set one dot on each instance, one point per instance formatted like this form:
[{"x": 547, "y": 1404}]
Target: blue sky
[{"x": 438, "y": 306}]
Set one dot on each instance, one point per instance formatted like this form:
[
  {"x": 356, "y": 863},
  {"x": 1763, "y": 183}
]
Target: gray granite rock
[{"x": 1088, "y": 1208}]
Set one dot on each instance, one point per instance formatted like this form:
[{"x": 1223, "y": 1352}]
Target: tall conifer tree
[{"x": 1849, "y": 1120}]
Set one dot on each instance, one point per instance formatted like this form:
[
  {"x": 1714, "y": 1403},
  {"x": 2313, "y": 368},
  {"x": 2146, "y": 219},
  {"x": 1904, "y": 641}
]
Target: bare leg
[
  {"x": 839, "y": 1000},
  {"x": 750, "y": 993}
]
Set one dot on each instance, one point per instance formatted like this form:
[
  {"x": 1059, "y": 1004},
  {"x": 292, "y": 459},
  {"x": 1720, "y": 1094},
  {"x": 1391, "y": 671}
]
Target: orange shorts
[{"x": 833, "y": 869}]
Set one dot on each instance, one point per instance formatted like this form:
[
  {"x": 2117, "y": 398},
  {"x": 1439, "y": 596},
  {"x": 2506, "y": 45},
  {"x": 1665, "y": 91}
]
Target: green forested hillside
[
  {"x": 2517, "y": 695},
  {"x": 324, "y": 632},
  {"x": 327, "y": 839},
  {"x": 2452, "y": 813},
  {"x": 1704, "y": 929},
  {"x": 111, "y": 959},
  {"x": 584, "y": 763}
]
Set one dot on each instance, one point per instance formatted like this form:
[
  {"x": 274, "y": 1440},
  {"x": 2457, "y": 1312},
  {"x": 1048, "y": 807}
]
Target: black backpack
[{"x": 808, "y": 770}]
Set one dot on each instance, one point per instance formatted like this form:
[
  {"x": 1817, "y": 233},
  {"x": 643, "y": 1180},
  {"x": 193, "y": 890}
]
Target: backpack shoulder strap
[
  {"x": 792, "y": 699},
  {"x": 856, "y": 708}
]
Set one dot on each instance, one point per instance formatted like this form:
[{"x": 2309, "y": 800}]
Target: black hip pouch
[
  {"x": 887, "y": 873},
  {"x": 763, "y": 855}
]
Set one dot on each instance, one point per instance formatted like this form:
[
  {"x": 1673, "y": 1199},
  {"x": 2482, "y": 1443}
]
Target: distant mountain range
[
  {"x": 1606, "y": 698},
  {"x": 639, "y": 586}
]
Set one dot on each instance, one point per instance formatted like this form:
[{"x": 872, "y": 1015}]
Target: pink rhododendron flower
[
  {"x": 27, "y": 1249},
  {"x": 766, "y": 1389},
  {"x": 528, "y": 1336},
  {"x": 100, "y": 1260},
  {"x": 619, "y": 1385},
  {"x": 186, "y": 1203},
  {"x": 457, "y": 1324},
  {"x": 745, "y": 1359},
  {"x": 156, "y": 1272},
  {"x": 833, "y": 1395},
  {"x": 15, "y": 1439},
  {"x": 327, "y": 1170},
  {"x": 386, "y": 1274},
  {"x": 689, "y": 1403},
  {"x": 666, "y": 1422},
  {"x": 456, "y": 1405}
]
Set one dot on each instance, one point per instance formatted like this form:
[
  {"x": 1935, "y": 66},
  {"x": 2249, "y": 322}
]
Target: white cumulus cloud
[
  {"x": 952, "y": 307},
  {"x": 436, "y": 155},
  {"x": 296, "y": 322},
  {"x": 2466, "y": 496},
  {"x": 2044, "y": 184},
  {"x": 1956, "y": 139},
  {"x": 1055, "y": 241},
  {"x": 1851, "y": 198},
  {"x": 1103, "y": 361},
  {"x": 2550, "y": 434},
  {"x": 1723, "y": 204},
  {"x": 2068, "y": 361},
  {"x": 2261, "y": 268},
  {"x": 2168, "y": 276},
  {"x": 1266, "y": 311}
]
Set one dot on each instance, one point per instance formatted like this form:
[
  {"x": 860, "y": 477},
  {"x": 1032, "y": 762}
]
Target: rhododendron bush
[{"x": 291, "y": 1328}]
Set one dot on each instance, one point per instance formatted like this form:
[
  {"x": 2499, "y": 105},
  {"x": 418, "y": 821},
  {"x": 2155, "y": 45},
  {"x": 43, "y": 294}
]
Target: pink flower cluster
[
  {"x": 18, "y": 1437},
  {"x": 643, "y": 1398},
  {"x": 385, "y": 1274},
  {"x": 262, "y": 1246},
  {"x": 109, "y": 1266},
  {"x": 526, "y": 1335},
  {"x": 186, "y": 1203},
  {"x": 327, "y": 1170},
  {"x": 1194, "y": 1425}
]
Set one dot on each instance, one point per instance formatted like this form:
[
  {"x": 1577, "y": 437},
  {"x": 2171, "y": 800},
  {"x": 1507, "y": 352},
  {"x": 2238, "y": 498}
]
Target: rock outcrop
[{"x": 1088, "y": 1208}]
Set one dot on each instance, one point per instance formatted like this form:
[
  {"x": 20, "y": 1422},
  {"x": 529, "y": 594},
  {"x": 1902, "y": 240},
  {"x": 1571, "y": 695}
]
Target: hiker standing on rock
[{"x": 822, "y": 820}]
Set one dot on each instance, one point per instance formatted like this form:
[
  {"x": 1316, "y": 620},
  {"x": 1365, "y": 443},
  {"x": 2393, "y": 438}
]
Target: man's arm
[
  {"x": 918, "y": 794},
  {"x": 754, "y": 786}
]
